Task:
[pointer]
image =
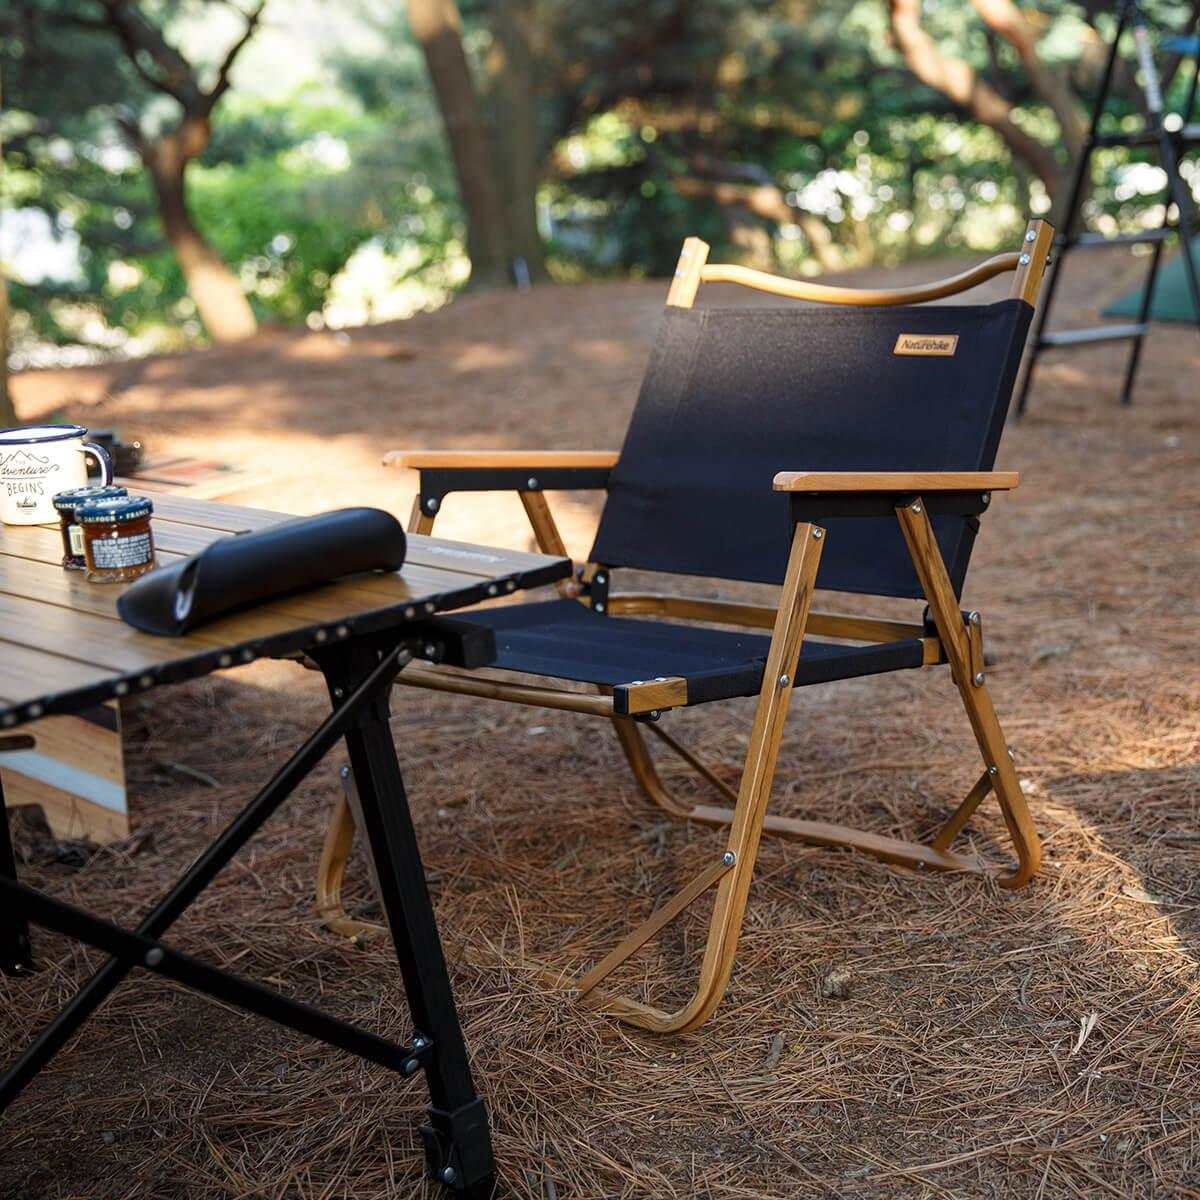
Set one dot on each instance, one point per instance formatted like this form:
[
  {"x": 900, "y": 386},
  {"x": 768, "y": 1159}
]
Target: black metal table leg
[
  {"x": 201, "y": 873},
  {"x": 16, "y": 953},
  {"x": 457, "y": 1142}
]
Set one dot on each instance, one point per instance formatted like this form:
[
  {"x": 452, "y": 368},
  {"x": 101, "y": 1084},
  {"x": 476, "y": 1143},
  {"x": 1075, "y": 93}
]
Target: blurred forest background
[{"x": 177, "y": 171}]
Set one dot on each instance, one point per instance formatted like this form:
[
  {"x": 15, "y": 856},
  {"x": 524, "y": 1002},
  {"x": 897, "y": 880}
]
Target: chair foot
[{"x": 331, "y": 871}]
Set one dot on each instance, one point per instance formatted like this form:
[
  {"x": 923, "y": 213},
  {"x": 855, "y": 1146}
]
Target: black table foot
[{"x": 458, "y": 1150}]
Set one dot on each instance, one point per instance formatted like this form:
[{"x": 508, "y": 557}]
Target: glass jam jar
[
  {"x": 65, "y": 503},
  {"x": 118, "y": 544}
]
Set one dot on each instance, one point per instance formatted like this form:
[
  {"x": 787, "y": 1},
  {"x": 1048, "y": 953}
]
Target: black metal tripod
[{"x": 1171, "y": 144}]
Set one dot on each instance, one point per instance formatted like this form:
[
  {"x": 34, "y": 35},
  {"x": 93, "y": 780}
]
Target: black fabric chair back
[{"x": 731, "y": 396}]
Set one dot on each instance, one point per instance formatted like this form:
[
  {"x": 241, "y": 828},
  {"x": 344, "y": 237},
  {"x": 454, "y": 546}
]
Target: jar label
[
  {"x": 75, "y": 533},
  {"x": 110, "y": 554}
]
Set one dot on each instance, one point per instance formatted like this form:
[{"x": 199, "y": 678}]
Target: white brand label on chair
[{"x": 943, "y": 344}]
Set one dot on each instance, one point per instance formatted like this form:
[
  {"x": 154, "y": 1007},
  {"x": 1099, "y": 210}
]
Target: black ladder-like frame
[
  {"x": 1171, "y": 144},
  {"x": 359, "y": 674}
]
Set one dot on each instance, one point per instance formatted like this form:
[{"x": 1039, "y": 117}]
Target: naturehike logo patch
[{"x": 935, "y": 344}]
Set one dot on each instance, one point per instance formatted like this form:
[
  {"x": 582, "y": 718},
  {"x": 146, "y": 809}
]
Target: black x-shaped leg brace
[{"x": 359, "y": 673}]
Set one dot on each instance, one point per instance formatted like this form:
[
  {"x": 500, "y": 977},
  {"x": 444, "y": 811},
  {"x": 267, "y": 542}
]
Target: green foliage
[{"x": 642, "y": 106}]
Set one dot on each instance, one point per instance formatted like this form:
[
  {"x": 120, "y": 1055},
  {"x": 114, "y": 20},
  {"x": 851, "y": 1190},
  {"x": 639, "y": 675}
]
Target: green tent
[{"x": 1172, "y": 300}]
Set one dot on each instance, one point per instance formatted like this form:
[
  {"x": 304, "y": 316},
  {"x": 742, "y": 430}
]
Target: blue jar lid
[
  {"x": 74, "y": 497},
  {"x": 119, "y": 508}
]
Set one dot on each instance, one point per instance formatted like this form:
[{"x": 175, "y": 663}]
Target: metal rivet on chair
[
  {"x": 493, "y": 590},
  {"x": 601, "y": 578},
  {"x": 729, "y": 858},
  {"x": 993, "y": 770},
  {"x": 343, "y": 631},
  {"x": 121, "y": 688},
  {"x": 916, "y": 507},
  {"x": 784, "y": 680},
  {"x": 36, "y": 710},
  {"x": 154, "y": 956},
  {"x": 430, "y": 606},
  {"x": 409, "y": 613},
  {"x": 448, "y": 1175},
  {"x": 818, "y": 533},
  {"x": 1024, "y": 260},
  {"x": 531, "y": 483},
  {"x": 146, "y": 681},
  {"x": 973, "y": 618},
  {"x": 1030, "y": 235},
  {"x": 430, "y": 650},
  {"x": 510, "y": 585},
  {"x": 338, "y": 693},
  {"x": 410, "y": 1066},
  {"x": 986, "y": 497},
  {"x": 247, "y": 655},
  {"x": 226, "y": 660},
  {"x": 431, "y": 505},
  {"x": 598, "y": 607},
  {"x": 978, "y": 678},
  {"x": 321, "y": 635},
  {"x": 345, "y": 772}
]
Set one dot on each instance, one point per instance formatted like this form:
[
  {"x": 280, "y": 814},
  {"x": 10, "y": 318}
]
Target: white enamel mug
[{"x": 38, "y": 462}]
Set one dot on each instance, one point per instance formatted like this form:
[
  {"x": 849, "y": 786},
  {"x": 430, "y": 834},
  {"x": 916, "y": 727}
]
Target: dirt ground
[{"x": 1043, "y": 1043}]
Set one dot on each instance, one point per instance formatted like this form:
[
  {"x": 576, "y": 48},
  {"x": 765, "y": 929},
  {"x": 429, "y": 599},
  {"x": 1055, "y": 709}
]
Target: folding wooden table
[{"x": 63, "y": 648}]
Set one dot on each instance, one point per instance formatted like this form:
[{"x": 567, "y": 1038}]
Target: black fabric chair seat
[{"x": 563, "y": 639}]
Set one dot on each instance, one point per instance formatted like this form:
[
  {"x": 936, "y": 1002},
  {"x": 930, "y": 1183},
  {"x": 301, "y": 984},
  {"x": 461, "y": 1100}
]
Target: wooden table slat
[{"x": 63, "y": 645}]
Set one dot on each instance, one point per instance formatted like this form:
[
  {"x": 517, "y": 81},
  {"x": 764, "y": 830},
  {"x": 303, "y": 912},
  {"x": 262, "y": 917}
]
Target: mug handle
[{"x": 101, "y": 456}]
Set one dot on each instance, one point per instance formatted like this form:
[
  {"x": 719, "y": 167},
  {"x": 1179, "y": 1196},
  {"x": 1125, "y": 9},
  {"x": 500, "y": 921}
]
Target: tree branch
[
  {"x": 1006, "y": 20},
  {"x": 222, "y": 85},
  {"x": 958, "y": 81},
  {"x": 140, "y": 36}
]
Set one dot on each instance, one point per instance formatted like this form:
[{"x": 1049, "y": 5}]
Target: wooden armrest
[
  {"x": 519, "y": 459},
  {"x": 896, "y": 481}
]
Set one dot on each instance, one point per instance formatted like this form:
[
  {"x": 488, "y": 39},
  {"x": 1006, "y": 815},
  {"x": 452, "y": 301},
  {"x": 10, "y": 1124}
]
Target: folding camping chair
[{"x": 894, "y": 412}]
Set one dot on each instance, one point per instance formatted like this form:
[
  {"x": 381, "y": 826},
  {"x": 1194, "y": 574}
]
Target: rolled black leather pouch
[{"x": 246, "y": 569}]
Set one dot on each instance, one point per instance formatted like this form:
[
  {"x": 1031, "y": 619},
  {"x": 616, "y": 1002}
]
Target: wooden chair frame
[{"x": 956, "y": 639}]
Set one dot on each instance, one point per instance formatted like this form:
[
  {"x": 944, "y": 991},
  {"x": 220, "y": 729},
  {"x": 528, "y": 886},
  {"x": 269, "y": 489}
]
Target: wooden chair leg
[
  {"x": 644, "y": 770},
  {"x": 331, "y": 871},
  {"x": 753, "y": 795},
  {"x": 972, "y": 687}
]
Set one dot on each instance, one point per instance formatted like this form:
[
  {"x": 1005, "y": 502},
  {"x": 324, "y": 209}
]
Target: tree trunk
[
  {"x": 958, "y": 81},
  {"x": 513, "y": 69},
  {"x": 8, "y": 414},
  {"x": 438, "y": 28},
  {"x": 218, "y": 296}
]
